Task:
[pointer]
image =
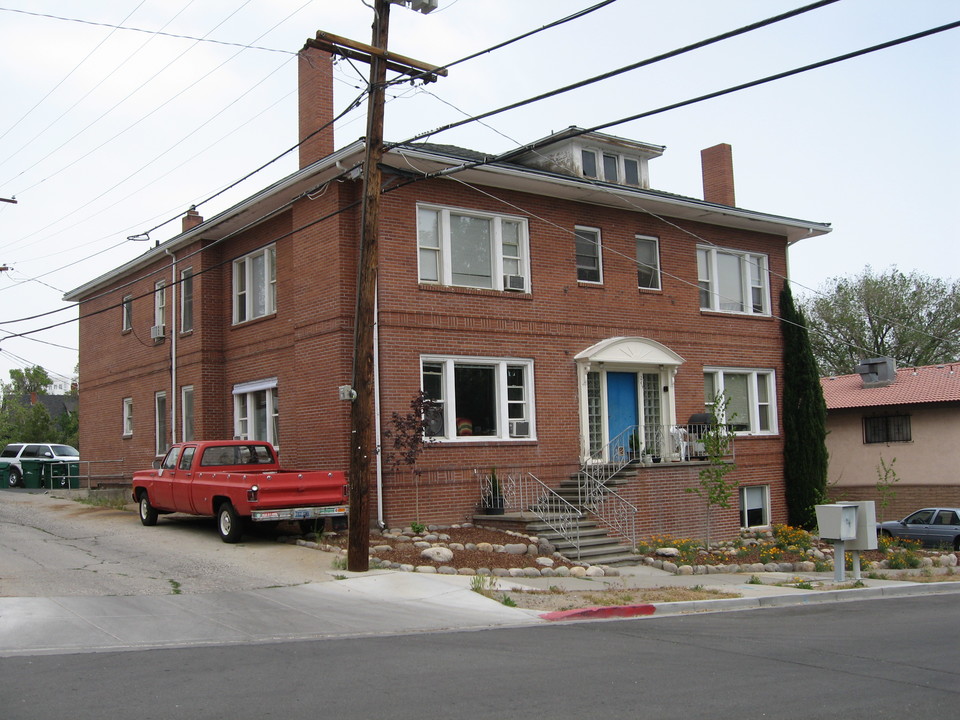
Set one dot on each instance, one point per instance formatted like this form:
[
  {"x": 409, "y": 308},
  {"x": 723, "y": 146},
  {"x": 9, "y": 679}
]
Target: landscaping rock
[
  {"x": 594, "y": 571},
  {"x": 682, "y": 570},
  {"x": 667, "y": 552},
  {"x": 515, "y": 549},
  {"x": 437, "y": 554},
  {"x": 428, "y": 569},
  {"x": 545, "y": 562}
]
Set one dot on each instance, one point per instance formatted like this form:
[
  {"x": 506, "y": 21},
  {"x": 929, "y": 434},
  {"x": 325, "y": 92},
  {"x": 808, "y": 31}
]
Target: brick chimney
[
  {"x": 191, "y": 219},
  {"x": 315, "y": 83},
  {"x": 717, "y": 164}
]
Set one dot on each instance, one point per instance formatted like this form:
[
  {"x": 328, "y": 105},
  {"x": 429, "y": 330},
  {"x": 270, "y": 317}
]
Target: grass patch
[
  {"x": 113, "y": 502},
  {"x": 175, "y": 587}
]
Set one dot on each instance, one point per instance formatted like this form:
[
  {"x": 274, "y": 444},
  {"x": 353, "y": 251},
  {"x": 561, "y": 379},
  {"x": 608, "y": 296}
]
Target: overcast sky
[{"x": 105, "y": 133}]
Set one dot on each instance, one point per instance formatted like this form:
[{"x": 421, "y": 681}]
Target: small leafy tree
[
  {"x": 886, "y": 479},
  {"x": 715, "y": 487},
  {"x": 408, "y": 432}
]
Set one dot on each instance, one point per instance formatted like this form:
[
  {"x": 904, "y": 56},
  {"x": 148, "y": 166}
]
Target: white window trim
[
  {"x": 741, "y": 497},
  {"x": 269, "y": 280},
  {"x": 599, "y": 256},
  {"x": 747, "y": 261},
  {"x": 449, "y": 362},
  {"x": 445, "y": 269},
  {"x": 242, "y": 392},
  {"x": 598, "y": 155},
  {"x": 126, "y": 313},
  {"x": 127, "y": 417},
  {"x": 185, "y": 391},
  {"x": 160, "y": 304},
  {"x": 752, "y": 396},
  {"x": 656, "y": 244},
  {"x": 186, "y": 280},
  {"x": 161, "y": 420}
]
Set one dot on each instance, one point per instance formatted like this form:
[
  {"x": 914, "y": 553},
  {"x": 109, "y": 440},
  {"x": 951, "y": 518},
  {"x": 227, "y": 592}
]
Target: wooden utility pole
[{"x": 363, "y": 446}]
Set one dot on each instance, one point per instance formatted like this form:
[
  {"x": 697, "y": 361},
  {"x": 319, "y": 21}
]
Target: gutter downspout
[
  {"x": 376, "y": 405},
  {"x": 173, "y": 347}
]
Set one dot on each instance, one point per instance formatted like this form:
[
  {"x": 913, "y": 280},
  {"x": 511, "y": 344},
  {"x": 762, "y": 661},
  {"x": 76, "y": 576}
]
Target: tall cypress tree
[{"x": 804, "y": 418}]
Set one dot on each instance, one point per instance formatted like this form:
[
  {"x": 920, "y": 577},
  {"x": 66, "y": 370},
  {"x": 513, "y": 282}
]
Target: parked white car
[{"x": 14, "y": 452}]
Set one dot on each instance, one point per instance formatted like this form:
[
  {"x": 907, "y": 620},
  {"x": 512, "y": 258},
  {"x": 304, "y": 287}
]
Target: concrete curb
[{"x": 706, "y": 606}]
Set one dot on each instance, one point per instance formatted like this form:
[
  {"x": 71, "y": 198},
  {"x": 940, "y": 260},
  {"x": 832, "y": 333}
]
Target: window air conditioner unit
[
  {"x": 157, "y": 332},
  {"x": 519, "y": 428},
  {"x": 514, "y": 282}
]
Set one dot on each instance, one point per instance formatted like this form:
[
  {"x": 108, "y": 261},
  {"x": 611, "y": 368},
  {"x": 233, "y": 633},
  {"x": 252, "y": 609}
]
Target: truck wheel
[
  {"x": 229, "y": 523},
  {"x": 14, "y": 479},
  {"x": 148, "y": 514}
]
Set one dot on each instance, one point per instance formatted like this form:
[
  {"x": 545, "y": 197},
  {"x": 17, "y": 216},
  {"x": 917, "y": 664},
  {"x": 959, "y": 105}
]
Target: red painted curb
[{"x": 599, "y": 613}]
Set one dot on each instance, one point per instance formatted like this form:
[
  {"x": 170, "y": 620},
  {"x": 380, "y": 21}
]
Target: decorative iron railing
[{"x": 525, "y": 492}]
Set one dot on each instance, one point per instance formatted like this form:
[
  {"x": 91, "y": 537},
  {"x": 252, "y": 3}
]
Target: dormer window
[{"x": 615, "y": 168}]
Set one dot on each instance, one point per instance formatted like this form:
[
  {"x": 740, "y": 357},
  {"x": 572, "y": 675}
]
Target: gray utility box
[{"x": 853, "y": 523}]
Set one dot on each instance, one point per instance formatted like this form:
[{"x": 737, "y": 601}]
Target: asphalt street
[{"x": 870, "y": 659}]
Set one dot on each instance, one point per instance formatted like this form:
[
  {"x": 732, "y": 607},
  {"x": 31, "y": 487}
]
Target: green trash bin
[
  {"x": 32, "y": 470},
  {"x": 62, "y": 474},
  {"x": 4, "y": 474}
]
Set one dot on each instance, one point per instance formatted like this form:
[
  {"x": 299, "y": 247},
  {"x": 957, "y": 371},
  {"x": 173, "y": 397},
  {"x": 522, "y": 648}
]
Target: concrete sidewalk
[{"x": 379, "y": 602}]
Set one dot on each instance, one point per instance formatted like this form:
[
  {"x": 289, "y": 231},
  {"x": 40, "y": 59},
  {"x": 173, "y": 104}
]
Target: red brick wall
[{"x": 307, "y": 344}]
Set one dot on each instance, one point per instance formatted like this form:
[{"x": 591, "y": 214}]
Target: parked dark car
[{"x": 934, "y": 527}]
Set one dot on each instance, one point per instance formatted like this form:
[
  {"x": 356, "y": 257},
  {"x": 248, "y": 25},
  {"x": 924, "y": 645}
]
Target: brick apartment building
[{"x": 546, "y": 303}]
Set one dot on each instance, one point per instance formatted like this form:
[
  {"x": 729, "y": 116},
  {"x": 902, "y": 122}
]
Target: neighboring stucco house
[
  {"x": 548, "y": 305},
  {"x": 908, "y": 415}
]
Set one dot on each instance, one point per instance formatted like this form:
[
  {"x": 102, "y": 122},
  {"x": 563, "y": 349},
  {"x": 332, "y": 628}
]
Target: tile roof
[{"x": 926, "y": 384}]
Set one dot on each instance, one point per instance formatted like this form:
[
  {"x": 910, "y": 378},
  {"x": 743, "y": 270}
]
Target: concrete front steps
[{"x": 596, "y": 545}]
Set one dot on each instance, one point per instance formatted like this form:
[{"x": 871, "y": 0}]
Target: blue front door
[{"x": 622, "y": 405}]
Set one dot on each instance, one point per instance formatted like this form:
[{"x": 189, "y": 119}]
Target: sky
[{"x": 106, "y": 133}]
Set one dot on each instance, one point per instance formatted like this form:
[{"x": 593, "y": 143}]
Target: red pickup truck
[{"x": 236, "y": 481}]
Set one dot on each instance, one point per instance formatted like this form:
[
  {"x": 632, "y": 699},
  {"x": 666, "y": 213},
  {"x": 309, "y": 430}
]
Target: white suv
[{"x": 14, "y": 452}]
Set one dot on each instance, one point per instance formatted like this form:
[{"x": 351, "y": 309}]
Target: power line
[
  {"x": 535, "y": 146},
  {"x": 577, "y": 132},
  {"x": 177, "y": 36},
  {"x": 556, "y": 23},
  {"x": 626, "y": 68},
  {"x": 62, "y": 81}
]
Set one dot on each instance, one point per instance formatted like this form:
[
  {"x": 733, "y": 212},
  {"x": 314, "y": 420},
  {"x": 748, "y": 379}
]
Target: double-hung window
[
  {"x": 750, "y": 398},
  {"x": 127, "y": 417},
  {"x": 256, "y": 413},
  {"x": 160, "y": 306},
  {"x": 648, "y": 262},
  {"x": 478, "y": 398},
  {"x": 186, "y": 300},
  {"x": 588, "y": 254},
  {"x": 472, "y": 249},
  {"x": 255, "y": 285},
  {"x": 126, "y": 317},
  {"x": 186, "y": 412},
  {"x": 163, "y": 440},
  {"x": 754, "y": 506},
  {"x": 732, "y": 281}
]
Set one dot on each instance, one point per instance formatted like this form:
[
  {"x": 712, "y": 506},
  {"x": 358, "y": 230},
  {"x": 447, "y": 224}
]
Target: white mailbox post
[{"x": 850, "y": 526}]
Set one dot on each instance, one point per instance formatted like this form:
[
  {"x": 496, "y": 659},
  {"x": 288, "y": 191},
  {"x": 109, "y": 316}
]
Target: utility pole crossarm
[{"x": 337, "y": 45}]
